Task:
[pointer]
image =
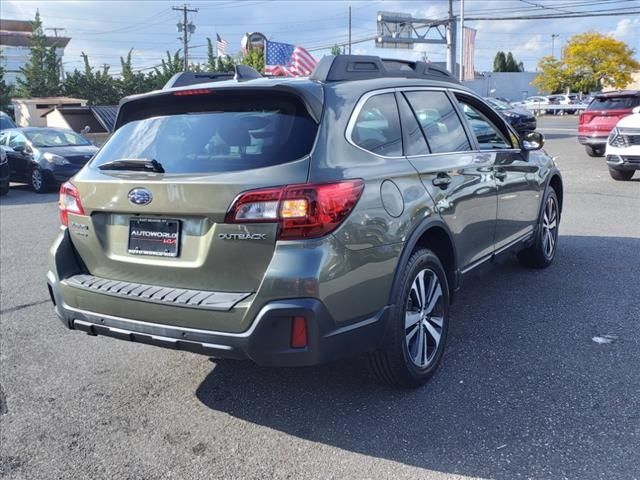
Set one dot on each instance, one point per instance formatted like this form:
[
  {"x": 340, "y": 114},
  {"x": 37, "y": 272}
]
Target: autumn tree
[
  {"x": 594, "y": 60},
  {"x": 553, "y": 76},
  {"x": 40, "y": 76}
]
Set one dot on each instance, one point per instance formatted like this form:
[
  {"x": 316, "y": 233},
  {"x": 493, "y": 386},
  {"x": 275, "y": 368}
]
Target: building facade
[{"x": 15, "y": 43}]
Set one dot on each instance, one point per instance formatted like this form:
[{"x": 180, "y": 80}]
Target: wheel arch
[
  {"x": 436, "y": 236},
  {"x": 555, "y": 181}
]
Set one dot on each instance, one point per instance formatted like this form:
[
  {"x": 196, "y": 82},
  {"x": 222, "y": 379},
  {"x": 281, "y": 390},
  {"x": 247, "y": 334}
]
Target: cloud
[{"x": 627, "y": 29}]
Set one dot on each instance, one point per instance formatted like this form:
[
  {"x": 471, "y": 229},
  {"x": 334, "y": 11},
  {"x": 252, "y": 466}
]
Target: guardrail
[{"x": 540, "y": 108}]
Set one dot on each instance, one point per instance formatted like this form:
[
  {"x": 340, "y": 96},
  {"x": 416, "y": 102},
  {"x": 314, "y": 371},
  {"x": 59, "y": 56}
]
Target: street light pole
[{"x": 553, "y": 38}]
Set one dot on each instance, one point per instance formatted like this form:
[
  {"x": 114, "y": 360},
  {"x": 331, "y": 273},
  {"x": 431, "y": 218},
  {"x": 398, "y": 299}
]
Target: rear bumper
[{"x": 267, "y": 342}]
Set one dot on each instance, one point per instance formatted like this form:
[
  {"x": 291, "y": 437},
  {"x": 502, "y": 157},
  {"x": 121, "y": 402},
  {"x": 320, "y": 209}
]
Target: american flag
[
  {"x": 221, "y": 45},
  {"x": 288, "y": 60}
]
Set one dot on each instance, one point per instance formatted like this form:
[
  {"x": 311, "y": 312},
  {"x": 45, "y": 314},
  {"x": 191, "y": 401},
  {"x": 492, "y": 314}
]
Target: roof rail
[
  {"x": 182, "y": 79},
  {"x": 338, "y": 68}
]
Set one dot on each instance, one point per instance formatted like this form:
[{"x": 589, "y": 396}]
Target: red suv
[{"x": 601, "y": 116}]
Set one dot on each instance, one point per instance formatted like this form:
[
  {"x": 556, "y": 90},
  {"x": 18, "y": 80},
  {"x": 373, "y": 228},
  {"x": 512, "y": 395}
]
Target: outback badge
[{"x": 140, "y": 196}]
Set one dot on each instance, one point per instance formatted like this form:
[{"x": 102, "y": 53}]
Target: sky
[{"x": 107, "y": 29}]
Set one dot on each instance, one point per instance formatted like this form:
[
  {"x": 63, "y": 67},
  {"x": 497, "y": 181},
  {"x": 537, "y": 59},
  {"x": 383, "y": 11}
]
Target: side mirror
[
  {"x": 532, "y": 141},
  {"x": 20, "y": 148},
  {"x": 636, "y": 110}
]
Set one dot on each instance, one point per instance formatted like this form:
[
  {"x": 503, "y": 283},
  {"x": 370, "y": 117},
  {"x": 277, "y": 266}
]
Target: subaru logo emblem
[{"x": 140, "y": 196}]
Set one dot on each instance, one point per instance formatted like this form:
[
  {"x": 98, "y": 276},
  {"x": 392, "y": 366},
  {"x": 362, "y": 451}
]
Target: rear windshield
[
  {"x": 215, "y": 133},
  {"x": 614, "y": 103}
]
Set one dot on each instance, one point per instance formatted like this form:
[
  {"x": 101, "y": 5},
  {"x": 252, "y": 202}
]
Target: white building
[{"x": 15, "y": 43}]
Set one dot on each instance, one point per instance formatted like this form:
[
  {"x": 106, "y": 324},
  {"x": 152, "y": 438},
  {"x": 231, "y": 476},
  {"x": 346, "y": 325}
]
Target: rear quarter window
[
  {"x": 215, "y": 133},
  {"x": 377, "y": 127}
]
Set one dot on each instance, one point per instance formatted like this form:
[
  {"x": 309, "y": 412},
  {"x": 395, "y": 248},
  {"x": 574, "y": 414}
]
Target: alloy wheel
[
  {"x": 36, "y": 179},
  {"x": 424, "y": 318},
  {"x": 550, "y": 227}
]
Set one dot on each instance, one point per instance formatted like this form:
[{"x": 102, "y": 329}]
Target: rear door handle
[
  {"x": 500, "y": 174},
  {"x": 442, "y": 180}
]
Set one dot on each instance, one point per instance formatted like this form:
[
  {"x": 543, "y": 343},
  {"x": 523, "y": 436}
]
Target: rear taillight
[
  {"x": 303, "y": 211},
  {"x": 69, "y": 202}
]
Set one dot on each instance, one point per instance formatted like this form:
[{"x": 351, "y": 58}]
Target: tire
[
  {"x": 621, "y": 175},
  {"x": 4, "y": 189},
  {"x": 415, "y": 324},
  {"x": 543, "y": 250},
  {"x": 594, "y": 151},
  {"x": 38, "y": 181}
]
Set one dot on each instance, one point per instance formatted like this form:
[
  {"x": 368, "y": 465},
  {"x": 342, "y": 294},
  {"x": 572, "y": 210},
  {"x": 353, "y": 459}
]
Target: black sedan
[
  {"x": 45, "y": 157},
  {"x": 520, "y": 119}
]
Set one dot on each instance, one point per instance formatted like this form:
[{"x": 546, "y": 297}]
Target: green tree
[
  {"x": 254, "y": 57},
  {"x": 97, "y": 87},
  {"x": 336, "y": 50},
  {"x": 512, "y": 65},
  {"x": 594, "y": 60},
  {"x": 168, "y": 68},
  {"x": 500, "y": 62},
  {"x": 131, "y": 82},
  {"x": 41, "y": 74},
  {"x": 6, "y": 91},
  {"x": 217, "y": 63}
]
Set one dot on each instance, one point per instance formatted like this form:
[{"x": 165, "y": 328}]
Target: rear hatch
[
  {"x": 605, "y": 111},
  {"x": 156, "y": 195}
]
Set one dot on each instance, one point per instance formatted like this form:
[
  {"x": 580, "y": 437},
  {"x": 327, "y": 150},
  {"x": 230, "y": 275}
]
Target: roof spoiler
[
  {"x": 339, "y": 68},
  {"x": 183, "y": 79}
]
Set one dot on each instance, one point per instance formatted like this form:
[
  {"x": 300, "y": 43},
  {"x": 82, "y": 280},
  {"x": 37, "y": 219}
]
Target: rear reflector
[
  {"x": 69, "y": 202},
  {"x": 298, "y": 332},
  {"x": 303, "y": 211}
]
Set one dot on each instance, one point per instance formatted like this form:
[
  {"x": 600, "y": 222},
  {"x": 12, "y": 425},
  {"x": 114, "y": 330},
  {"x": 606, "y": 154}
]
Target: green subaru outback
[{"x": 297, "y": 221}]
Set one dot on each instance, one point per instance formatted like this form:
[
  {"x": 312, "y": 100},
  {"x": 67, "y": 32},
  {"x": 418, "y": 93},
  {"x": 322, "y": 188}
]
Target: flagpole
[
  {"x": 462, "y": 45},
  {"x": 349, "y": 29}
]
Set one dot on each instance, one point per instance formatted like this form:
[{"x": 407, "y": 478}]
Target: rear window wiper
[{"x": 144, "y": 164}]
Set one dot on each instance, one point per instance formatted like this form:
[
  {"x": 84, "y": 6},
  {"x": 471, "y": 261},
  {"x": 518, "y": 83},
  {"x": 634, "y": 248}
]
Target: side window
[
  {"x": 17, "y": 139},
  {"x": 3, "y": 138},
  {"x": 377, "y": 128},
  {"x": 439, "y": 121},
  {"x": 414, "y": 142},
  {"x": 487, "y": 133}
]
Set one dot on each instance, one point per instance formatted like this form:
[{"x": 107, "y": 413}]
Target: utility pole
[
  {"x": 349, "y": 29},
  {"x": 462, "y": 42},
  {"x": 553, "y": 38},
  {"x": 451, "y": 41},
  {"x": 186, "y": 28}
]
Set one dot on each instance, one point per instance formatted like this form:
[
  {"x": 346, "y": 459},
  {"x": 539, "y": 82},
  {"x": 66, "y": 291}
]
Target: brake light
[
  {"x": 303, "y": 211},
  {"x": 193, "y": 91},
  {"x": 69, "y": 202}
]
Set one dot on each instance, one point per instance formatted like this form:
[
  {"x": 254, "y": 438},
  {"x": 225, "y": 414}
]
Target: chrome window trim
[{"x": 366, "y": 96}]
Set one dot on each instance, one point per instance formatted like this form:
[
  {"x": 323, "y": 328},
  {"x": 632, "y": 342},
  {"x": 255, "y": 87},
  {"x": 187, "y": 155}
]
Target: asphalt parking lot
[{"x": 524, "y": 390}]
